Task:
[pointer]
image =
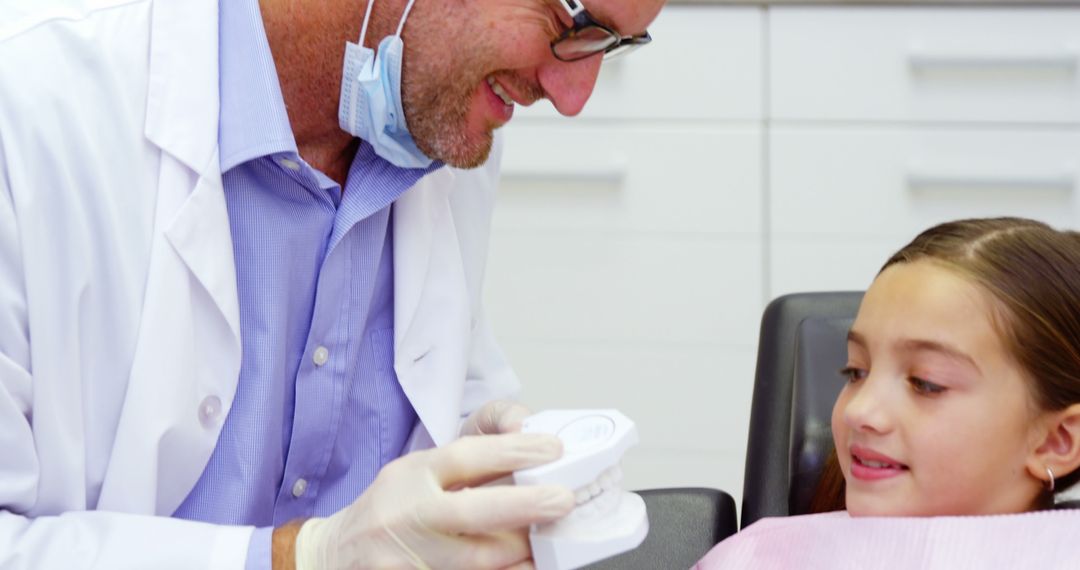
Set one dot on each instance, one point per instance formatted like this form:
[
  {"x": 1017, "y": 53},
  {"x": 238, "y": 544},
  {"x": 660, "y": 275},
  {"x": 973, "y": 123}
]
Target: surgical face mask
[{"x": 370, "y": 106}]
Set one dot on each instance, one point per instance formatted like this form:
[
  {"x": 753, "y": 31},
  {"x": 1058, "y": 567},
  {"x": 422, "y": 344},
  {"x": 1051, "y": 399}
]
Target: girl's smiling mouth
[{"x": 869, "y": 465}]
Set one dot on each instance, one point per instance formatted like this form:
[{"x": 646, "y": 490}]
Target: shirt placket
[{"x": 320, "y": 387}]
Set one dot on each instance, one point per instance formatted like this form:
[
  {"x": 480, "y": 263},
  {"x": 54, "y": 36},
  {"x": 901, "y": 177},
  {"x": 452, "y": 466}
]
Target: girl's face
[{"x": 936, "y": 418}]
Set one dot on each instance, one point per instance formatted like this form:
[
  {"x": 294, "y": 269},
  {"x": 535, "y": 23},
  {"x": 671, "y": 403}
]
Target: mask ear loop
[
  {"x": 367, "y": 17},
  {"x": 401, "y": 24}
]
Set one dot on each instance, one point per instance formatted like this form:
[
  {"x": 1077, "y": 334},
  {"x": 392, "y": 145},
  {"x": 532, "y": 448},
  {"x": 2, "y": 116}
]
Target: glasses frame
[{"x": 583, "y": 20}]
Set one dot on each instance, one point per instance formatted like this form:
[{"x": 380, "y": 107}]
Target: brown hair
[
  {"x": 1032, "y": 271},
  {"x": 829, "y": 494}
]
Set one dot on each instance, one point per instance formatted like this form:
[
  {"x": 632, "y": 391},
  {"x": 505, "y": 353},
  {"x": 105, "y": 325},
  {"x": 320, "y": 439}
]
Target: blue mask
[{"x": 370, "y": 106}]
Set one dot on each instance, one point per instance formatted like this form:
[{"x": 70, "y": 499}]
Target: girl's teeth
[{"x": 876, "y": 464}]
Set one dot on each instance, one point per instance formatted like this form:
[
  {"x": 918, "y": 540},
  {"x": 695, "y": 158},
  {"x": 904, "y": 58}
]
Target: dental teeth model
[{"x": 607, "y": 520}]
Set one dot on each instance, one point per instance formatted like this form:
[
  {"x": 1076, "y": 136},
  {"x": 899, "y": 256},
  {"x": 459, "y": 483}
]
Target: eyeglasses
[{"x": 587, "y": 37}]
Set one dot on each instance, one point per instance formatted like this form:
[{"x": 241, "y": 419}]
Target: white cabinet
[
  {"x": 631, "y": 289},
  {"x": 655, "y": 178},
  {"x": 626, "y": 265},
  {"x": 749, "y": 152},
  {"x": 843, "y": 199},
  {"x": 704, "y": 64},
  {"x": 884, "y": 181},
  {"x": 900, "y": 63},
  {"x": 887, "y": 120}
]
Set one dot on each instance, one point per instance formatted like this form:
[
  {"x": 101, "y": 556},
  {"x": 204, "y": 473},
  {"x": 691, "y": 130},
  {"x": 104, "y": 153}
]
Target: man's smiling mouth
[{"x": 498, "y": 89}]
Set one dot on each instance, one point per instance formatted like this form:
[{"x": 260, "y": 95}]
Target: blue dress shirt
[{"x": 318, "y": 409}]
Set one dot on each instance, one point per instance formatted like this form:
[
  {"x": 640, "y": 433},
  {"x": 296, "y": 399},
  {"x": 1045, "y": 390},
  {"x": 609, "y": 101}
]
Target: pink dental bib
[{"x": 1040, "y": 540}]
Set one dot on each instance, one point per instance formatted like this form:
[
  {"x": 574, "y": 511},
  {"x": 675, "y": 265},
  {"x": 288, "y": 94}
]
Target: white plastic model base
[{"x": 607, "y": 520}]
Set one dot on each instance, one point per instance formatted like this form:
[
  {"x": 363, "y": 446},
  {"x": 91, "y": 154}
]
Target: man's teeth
[{"x": 499, "y": 91}]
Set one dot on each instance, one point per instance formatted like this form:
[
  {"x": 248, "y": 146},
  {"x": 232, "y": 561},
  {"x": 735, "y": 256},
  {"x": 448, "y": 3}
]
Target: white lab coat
[{"x": 119, "y": 320}]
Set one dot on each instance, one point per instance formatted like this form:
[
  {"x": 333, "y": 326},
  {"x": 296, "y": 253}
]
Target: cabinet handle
[
  {"x": 925, "y": 60},
  {"x": 611, "y": 173},
  {"x": 920, "y": 180}
]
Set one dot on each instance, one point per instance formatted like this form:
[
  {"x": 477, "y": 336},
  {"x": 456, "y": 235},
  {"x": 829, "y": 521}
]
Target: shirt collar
[{"x": 254, "y": 122}]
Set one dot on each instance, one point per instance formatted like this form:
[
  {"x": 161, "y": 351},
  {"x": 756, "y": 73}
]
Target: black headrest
[
  {"x": 820, "y": 353},
  {"x": 786, "y": 344}
]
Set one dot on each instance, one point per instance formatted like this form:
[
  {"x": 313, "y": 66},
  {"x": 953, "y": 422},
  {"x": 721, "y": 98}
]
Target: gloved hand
[
  {"x": 496, "y": 416},
  {"x": 422, "y": 512}
]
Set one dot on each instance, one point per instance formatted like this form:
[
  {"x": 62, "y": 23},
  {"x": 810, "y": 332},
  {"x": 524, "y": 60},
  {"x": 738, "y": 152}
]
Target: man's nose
[
  {"x": 867, "y": 409},
  {"x": 569, "y": 84}
]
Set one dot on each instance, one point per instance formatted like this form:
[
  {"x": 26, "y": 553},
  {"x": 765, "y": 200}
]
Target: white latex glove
[
  {"x": 496, "y": 416},
  {"x": 422, "y": 512}
]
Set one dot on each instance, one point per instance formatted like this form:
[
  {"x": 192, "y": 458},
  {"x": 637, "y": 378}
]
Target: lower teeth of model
[{"x": 599, "y": 496}]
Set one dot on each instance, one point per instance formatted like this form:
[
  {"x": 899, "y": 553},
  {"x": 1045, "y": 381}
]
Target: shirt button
[
  {"x": 209, "y": 410},
  {"x": 321, "y": 356},
  {"x": 290, "y": 164},
  {"x": 299, "y": 488}
]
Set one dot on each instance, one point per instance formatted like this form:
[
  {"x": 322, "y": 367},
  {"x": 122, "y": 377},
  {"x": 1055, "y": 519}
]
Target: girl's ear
[{"x": 1060, "y": 446}]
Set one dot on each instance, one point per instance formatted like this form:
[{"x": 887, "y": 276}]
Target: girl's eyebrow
[
  {"x": 922, "y": 345},
  {"x": 856, "y": 338}
]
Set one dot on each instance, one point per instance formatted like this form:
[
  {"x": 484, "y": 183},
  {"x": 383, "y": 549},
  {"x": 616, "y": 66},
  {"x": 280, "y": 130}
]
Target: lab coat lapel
[
  {"x": 182, "y": 118},
  {"x": 183, "y": 100},
  {"x": 187, "y": 359},
  {"x": 431, "y": 305}
]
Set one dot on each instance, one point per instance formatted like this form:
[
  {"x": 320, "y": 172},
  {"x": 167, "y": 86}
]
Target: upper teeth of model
[
  {"x": 499, "y": 91},
  {"x": 596, "y": 499}
]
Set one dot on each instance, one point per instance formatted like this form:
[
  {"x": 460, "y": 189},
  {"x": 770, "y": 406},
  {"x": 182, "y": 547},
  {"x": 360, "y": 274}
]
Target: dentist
[{"x": 240, "y": 278}]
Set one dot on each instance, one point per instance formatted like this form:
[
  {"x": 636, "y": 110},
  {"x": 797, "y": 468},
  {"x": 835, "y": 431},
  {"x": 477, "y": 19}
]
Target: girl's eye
[
  {"x": 853, "y": 374},
  {"x": 925, "y": 387}
]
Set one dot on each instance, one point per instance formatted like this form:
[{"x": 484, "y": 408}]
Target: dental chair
[
  {"x": 802, "y": 347},
  {"x": 803, "y": 344}
]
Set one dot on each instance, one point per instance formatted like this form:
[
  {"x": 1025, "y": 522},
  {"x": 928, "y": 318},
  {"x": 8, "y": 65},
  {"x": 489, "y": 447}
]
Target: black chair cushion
[{"x": 684, "y": 523}]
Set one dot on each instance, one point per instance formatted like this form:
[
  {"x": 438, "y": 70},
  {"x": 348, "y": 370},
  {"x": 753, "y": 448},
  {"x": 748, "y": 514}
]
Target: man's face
[{"x": 460, "y": 55}]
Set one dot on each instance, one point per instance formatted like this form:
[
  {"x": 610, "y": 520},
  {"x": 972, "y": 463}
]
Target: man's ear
[{"x": 1060, "y": 446}]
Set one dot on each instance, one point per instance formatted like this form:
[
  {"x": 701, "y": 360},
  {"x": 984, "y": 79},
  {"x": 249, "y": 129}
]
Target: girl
[{"x": 963, "y": 398}]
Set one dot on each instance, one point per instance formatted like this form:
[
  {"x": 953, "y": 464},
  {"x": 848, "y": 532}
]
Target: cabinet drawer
[
  {"x": 648, "y": 382},
  {"x": 893, "y": 183},
  {"x": 1013, "y": 64},
  {"x": 606, "y": 178},
  {"x": 706, "y": 446},
  {"x": 578, "y": 287},
  {"x": 799, "y": 264},
  {"x": 704, "y": 63}
]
